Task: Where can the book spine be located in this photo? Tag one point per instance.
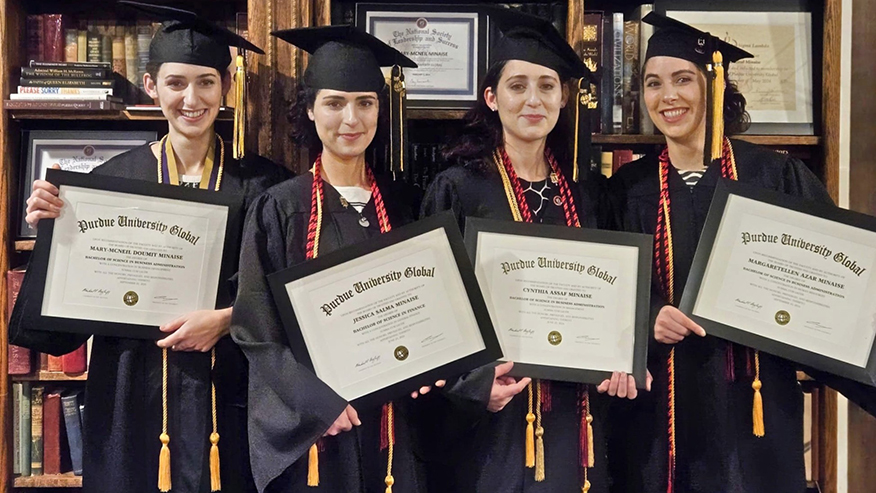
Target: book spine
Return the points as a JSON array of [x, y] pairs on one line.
[[62, 105], [53, 49], [646, 126], [36, 431], [34, 28], [620, 158], [20, 359], [82, 43], [606, 163], [55, 363], [118, 50], [591, 54], [82, 65], [617, 51], [131, 61], [82, 91], [606, 99], [29, 81], [63, 97], [66, 73], [24, 439], [631, 77], [74, 362], [71, 45], [106, 44], [52, 434], [70, 404], [144, 38], [16, 428], [93, 40]]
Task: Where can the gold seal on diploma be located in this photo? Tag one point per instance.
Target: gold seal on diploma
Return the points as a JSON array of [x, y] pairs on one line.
[[131, 298], [401, 353], [555, 338], [783, 317]]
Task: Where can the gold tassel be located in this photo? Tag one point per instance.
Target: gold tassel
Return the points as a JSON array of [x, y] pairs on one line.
[[586, 487], [539, 454], [390, 442], [389, 482], [578, 102], [215, 478], [164, 464], [164, 455], [313, 466], [717, 106], [757, 408], [539, 435], [239, 108], [530, 432], [591, 455]]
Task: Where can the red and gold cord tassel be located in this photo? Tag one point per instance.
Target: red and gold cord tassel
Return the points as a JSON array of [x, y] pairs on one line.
[[717, 137], [539, 435], [215, 477], [164, 484], [239, 108], [757, 408], [585, 439], [530, 431], [387, 439]]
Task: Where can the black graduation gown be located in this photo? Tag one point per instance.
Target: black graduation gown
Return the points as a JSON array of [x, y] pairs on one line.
[[289, 407], [484, 452], [716, 450], [123, 392]]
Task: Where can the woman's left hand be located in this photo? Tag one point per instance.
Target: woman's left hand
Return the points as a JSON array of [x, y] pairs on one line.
[[196, 331], [426, 388], [623, 385]]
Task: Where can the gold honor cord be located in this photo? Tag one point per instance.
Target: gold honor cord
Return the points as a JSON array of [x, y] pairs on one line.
[[239, 108], [167, 163]]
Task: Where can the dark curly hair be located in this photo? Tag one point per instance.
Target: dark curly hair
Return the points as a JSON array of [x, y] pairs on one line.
[[304, 130], [482, 132]]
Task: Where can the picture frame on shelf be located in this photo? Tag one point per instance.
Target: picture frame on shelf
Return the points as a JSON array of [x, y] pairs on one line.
[[448, 42], [778, 82], [72, 150]]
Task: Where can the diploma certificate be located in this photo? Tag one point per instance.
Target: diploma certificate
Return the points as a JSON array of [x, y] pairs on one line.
[[788, 277], [568, 304], [120, 262], [389, 315]]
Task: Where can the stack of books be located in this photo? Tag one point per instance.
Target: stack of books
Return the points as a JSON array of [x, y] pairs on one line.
[[67, 85]]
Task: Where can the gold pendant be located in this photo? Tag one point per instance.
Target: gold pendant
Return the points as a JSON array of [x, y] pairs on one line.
[[554, 178]]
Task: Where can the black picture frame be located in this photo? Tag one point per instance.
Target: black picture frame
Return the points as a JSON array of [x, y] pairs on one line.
[[644, 243], [723, 191], [420, 11], [38, 268], [114, 141], [490, 353]]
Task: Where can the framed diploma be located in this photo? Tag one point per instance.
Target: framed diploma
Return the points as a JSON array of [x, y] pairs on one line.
[[448, 42], [777, 82], [79, 151], [381, 318], [568, 303], [789, 277], [126, 256]]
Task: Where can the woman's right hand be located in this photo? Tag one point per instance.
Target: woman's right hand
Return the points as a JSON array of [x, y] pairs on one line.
[[345, 422], [43, 202], [505, 387], [672, 326]]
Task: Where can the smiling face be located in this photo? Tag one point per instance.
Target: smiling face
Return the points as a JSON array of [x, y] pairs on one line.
[[345, 121], [675, 92], [529, 98], [189, 96]]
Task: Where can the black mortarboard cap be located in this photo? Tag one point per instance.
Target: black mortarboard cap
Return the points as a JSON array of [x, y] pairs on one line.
[[186, 37], [679, 40], [535, 40], [344, 58]]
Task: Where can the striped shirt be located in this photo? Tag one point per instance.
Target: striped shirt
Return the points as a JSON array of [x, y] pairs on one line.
[[691, 176]]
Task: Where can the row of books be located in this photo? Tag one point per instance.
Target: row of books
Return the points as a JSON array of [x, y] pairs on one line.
[[94, 83], [47, 428], [611, 160], [23, 361], [613, 48], [122, 47]]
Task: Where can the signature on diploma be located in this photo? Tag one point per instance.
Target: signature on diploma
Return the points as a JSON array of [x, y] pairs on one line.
[[526, 332], [749, 303], [166, 298], [368, 362], [99, 291]]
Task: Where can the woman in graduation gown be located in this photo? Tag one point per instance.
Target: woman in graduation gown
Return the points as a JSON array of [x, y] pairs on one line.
[[516, 164], [303, 436], [188, 76], [711, 437]]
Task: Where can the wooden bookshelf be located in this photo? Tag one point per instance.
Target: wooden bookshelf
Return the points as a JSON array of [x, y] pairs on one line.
[[66, 480], [51, 376], [766, 140], [129, 114]]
